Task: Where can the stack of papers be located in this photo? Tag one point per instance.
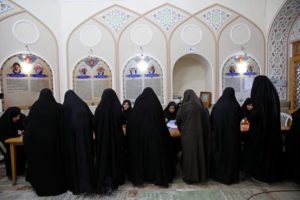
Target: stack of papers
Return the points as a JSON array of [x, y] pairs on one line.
[[172, 124]]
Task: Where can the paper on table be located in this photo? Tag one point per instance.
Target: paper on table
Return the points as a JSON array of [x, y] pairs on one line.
[[171, 124]]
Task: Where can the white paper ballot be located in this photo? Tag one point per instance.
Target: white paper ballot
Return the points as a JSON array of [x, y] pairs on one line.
[[171, 124]]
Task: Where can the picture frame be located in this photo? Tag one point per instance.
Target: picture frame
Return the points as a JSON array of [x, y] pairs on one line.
[[206, 98]]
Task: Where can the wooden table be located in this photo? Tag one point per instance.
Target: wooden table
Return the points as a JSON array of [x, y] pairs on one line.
[[13, 142], [283, 129]]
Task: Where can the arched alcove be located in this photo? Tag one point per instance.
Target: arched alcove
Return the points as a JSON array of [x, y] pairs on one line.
[[141, 72], [192, 71], [240, 80], [23, 76], [91, 76], [24, 33], [278, 40]]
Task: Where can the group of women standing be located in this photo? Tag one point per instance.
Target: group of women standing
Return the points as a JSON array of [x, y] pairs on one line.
[[212, 148], [69, 148], [63, 153]]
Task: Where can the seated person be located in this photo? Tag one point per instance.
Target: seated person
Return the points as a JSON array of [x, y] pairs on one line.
[[12, 124]]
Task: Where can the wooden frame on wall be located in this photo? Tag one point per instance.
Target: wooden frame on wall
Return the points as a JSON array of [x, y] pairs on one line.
[[206, 98], [294, 61], [296, 48]]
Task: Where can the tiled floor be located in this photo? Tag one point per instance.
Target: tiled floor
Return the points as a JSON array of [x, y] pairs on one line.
[[177, 191]]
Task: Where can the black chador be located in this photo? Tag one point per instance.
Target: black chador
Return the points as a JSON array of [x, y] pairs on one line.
[[43, 146], [225, 142], [109, 143], [267, 155], [78, 144], [150, 159], [192, 123]]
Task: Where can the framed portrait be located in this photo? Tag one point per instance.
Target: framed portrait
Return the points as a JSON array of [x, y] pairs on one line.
[[206, 98], [24, 75], [91, 76]]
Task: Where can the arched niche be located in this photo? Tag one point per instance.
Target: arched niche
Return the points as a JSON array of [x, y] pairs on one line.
[[91, 38], [23, 32], [278, 40], [141, 72], [91, 76], [240, 80], [192, 71], [23, 76], [240, 35]]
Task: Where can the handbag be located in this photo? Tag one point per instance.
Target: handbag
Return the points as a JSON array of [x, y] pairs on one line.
[[174, 132]]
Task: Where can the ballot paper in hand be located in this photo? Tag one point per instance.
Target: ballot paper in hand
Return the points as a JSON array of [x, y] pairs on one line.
[[172, 124]]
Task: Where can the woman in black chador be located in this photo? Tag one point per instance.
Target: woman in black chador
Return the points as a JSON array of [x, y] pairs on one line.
[[191, 123], [225, 144], [43, 146], [249, 114], [78, 144], [293, 149], [267, 154], [126, 112], [170, 111], [149, 140], [109, 143], [12, 124], [248, 108]]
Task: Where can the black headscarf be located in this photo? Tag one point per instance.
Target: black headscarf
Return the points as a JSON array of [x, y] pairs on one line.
[[267, 133], [225, 122], [167, 114], [251, 115], [149, 140], [42, 142], [109, 143], [8, 128], [78, 144], [126, 113], [244, 106]]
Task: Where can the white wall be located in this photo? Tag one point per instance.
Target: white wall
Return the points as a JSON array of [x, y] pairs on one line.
[[272, 8], [74, 11], [104, 50], [255, 47], [157, 48], [206, 48], [48, 11], [69, 13], [65, 17], [45, 47]]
